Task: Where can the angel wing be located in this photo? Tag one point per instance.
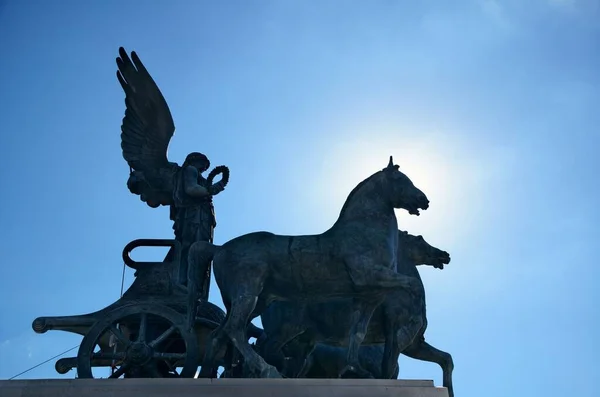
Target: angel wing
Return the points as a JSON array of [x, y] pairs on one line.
[[146, 131]]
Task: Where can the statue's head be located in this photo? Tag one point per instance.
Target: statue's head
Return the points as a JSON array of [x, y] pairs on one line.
[[420, 252], [401, 192], [198, 161]]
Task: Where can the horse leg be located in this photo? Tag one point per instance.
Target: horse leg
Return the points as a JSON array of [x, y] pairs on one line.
[[361, 317], [241, 310], [272, 346], [214, 344], [301, 358], [272, 354], [389, 352], [398, 339], [421, 350], [235, 363], [371, 277], [306, 367], [228, 361]]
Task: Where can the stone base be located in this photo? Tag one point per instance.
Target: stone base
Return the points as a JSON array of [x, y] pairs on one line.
[[220, 387]]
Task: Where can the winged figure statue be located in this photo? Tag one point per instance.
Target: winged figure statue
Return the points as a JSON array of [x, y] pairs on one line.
[[146, 131]]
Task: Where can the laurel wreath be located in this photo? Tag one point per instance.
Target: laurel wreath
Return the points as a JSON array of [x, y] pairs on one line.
[[221, 169]]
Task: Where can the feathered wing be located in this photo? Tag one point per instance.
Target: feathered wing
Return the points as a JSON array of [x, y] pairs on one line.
[[145, 133]]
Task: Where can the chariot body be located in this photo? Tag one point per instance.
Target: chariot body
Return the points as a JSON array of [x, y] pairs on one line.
[[149, 331]]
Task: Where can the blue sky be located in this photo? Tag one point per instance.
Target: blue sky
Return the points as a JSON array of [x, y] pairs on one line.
[[491, 107]]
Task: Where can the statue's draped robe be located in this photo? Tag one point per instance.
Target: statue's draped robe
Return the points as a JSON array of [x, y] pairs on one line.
[[193, 220]]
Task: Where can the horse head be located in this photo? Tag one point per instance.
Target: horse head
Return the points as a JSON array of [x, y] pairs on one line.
[[420, 252], [400, 190]]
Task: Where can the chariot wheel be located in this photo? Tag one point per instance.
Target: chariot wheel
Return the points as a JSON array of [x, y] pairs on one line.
[[146, 341]]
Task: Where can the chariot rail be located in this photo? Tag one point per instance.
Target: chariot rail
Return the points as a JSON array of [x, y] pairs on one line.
[[148, 242], [155, 329]]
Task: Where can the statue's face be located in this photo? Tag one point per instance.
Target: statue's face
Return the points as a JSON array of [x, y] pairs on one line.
[[422, 253], [199, 164], [198, 161], [402, 192]]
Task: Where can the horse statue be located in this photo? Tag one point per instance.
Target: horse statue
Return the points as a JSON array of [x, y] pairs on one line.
[[397, 322], [325, 361], [355, 258]]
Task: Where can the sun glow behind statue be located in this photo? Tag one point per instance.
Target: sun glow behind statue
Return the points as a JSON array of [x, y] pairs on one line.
[[430, 161]]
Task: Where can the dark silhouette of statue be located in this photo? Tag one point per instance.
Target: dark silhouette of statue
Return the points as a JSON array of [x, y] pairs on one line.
[[146, 132]]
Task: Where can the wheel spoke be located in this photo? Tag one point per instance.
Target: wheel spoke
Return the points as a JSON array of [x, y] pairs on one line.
[[143, 326], [169, 356], [119, 335], [108, 356], [119, 371], [163, 336]]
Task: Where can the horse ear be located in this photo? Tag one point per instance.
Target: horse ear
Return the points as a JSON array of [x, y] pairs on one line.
[[391, 163]]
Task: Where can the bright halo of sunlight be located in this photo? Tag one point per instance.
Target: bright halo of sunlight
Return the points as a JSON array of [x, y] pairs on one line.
[[356, 160], [432, 161]]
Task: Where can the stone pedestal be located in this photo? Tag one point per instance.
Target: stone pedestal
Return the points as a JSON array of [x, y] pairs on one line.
[[220, 387]]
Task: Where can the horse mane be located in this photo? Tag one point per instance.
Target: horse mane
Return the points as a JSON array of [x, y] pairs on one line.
[[351, 195]]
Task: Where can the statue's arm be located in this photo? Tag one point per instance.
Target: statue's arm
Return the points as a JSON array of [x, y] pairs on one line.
[[191, 186]]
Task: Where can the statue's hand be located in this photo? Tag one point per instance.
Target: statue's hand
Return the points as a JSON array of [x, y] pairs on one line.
[[217, 188]]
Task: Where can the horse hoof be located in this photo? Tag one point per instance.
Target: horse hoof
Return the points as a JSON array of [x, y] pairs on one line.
[[348, 372], [205, 373], [353, 372], [270, 372]]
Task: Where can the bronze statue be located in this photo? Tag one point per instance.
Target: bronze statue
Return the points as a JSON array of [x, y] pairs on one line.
[[355, 258], [146, 132], [163, 323]]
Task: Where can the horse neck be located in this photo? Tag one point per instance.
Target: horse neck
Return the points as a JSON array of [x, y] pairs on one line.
[[365, 203], [405, 265]]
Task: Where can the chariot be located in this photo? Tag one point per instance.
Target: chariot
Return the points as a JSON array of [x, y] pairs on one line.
[[149, 331]]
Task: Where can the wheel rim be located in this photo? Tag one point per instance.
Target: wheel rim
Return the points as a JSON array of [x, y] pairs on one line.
[[151, 341]]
